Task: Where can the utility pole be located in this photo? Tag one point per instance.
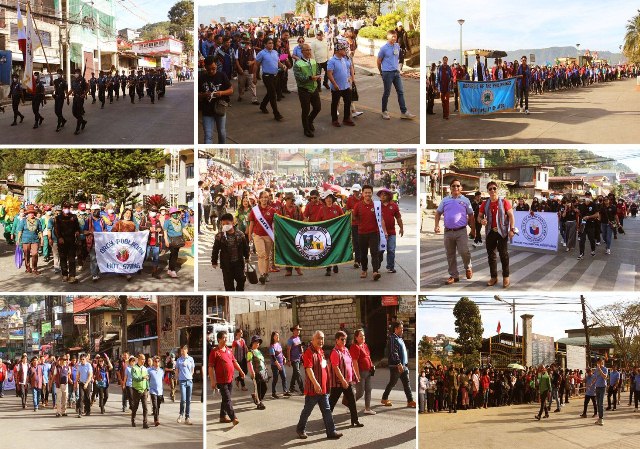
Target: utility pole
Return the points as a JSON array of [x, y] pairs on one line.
[[586, 330], [123, 323]]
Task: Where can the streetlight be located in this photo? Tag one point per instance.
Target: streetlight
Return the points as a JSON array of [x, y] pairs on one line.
[[513, 311], [460, 21], [578, 51]]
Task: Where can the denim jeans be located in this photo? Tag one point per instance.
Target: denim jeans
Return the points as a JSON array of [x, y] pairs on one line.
[[554, 395], [391, 252], [297, 376], [220, 122], [389, 78], [36, 397], [93, 262], [607, 234], [394, 375], [186, 387], [283, 375], [154, 253], [600, 401], [323, 403], [422, 400]]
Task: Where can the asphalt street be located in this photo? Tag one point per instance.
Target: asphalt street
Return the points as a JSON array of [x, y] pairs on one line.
[[604, 113], [42, 430], [275, 427], [538, 271], [247, 125], [510, 426], [347, 279], [13, 279], [168, 121]]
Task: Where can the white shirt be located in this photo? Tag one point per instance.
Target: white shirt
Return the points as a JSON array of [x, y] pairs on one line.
[[319, 51]]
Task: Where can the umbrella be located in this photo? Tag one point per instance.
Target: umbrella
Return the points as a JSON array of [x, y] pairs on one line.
[[19, 258], [516, 366]]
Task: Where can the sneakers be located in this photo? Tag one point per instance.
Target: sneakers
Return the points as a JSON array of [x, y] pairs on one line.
[[385, 115], [356, 114], [580, 256], [407, 115], [593, 254], [564, 244], [608, 251], [179, 420], [72, 280], [391, 270], [386, 403], [599, 422], [262, 279], [189, 423], [526, 111], [369, 412], [411, 404]]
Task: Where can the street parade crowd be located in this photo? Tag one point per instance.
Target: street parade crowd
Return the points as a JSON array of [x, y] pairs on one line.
[[242, 232], [452, 388], [106, 85], [442, 79], [598, 220], [71, 385], [345, 372], [247, 52], [64, 234]]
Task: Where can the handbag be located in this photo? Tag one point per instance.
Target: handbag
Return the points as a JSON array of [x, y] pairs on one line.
[[263, 375], [176, 242], [372, 370], [354, 92], [252, 275], [101, 384], [220, 107]]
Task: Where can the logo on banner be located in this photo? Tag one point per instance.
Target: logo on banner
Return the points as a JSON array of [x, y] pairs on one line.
[[534, 229], [122, 253], [313, 242], [487, 97]]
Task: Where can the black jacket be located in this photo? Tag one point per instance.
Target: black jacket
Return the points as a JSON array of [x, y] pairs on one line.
[[222, 248]]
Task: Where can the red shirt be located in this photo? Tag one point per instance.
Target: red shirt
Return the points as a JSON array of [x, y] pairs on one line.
[[311, 211], [366, 215], [351, 204], [493, 207], [343, 363], [327, 213], [293, 213], [485, 381], [362, 355], [390, 212], [313, 358], [222, 363], [268, 214], [3, 372]]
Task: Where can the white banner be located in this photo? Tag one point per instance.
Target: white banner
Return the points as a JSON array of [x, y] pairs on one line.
[[576, 357], [121, 252], [322, 9], [539, 230]]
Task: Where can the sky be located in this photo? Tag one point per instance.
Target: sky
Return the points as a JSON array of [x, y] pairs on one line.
[[149, 11], [549, 318], [508, 25], [629, 157]]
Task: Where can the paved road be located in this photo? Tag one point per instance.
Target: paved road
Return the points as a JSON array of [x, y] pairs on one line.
[[246, 124], [497, 428], [605, 113], [42, 430], [16, 280], [314, 279], [539, 271], [168, 121], [275, 427]]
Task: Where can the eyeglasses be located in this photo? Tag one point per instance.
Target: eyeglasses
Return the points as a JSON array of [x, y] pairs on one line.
[[491, 189], [457, 186], [342, 339]]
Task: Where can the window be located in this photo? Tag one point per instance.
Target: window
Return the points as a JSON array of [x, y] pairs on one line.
[[184, 306], [189, 171], [115, 319]]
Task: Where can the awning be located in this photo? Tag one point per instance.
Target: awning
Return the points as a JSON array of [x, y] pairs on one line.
[[142, 339]]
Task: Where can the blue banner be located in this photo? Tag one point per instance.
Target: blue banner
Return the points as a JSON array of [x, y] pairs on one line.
[[487, 97]]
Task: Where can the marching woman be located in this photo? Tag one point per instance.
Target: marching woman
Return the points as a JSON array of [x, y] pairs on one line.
[[277, 365], [185, 367], [125, 224], [156, 374], [261, 233], [329, 210], [257, 371], [174, 233], [343, 377], [363, 369], [101, 380]]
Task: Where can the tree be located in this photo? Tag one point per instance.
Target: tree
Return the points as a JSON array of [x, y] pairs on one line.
[[305, 7], [182, 14], [623, 321], [155, 30], [425, 348], [111, 173], [469, 328], [631, 47]]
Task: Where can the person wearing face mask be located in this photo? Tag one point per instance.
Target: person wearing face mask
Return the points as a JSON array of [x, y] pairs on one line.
[[81, 252], [47, 231], [60, 89], [123, 84], [231, 247], [151, 223], [244, 60], [126, 224], [16, 93], [95, 223], [38, 100], [132, 81], [110, 217], [79, 87], [173, 231], [30, 237], [67, 229], [588, 222], [93, 83]]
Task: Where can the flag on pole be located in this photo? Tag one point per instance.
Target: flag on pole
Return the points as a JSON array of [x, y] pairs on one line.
[[321, 9], [27, 75], [22, 34], [312, 245], [499, 327], [516, 330]]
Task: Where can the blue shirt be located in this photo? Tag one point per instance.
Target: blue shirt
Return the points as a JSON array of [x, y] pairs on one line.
[[269, 61], [185, 367], [455, 211], [155, 380], [84, 371], [127, 375], [390, 55], [171, 230], [614, 377], [45, 372], [397, 351], [636, 381], [600, 381], [27, 235], [341, 72], [297, 51], [590, 385]]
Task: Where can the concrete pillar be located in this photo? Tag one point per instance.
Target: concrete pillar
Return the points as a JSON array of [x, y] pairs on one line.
[[527, 339]]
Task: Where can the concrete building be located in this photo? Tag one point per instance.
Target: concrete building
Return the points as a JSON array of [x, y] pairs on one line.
[[34, 174], [165, 52], [180, 322], [523, 180]]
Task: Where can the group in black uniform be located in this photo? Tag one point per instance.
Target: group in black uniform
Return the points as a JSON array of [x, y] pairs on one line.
[[106, 86]]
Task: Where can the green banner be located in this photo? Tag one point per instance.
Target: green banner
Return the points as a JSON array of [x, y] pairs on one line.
[[312, 245], [46, 328]]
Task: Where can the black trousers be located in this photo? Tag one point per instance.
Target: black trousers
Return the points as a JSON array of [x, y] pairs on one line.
[[309, 101], [336, 392], [495, 241], [524, 96], [110, 94], [173, 258], [67, 253], [132, 93], [455, 97], [394, 375], [270, 82], [103, 397], [207, 213], [369, 243], [478, 238], [137, 399], [58, 105], [140, 90], [543, 404], [93, 93], [123, 86], [588, 231], [612, 391], [101, 96], [261, 389], [151, 91], [345, 94], [226, 407], [586, 404], [84, 399], [155, 406], [35, 107], [325, 80], [233, 276], [126, 396], [356, 244], [15, 102], [78, 109]]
